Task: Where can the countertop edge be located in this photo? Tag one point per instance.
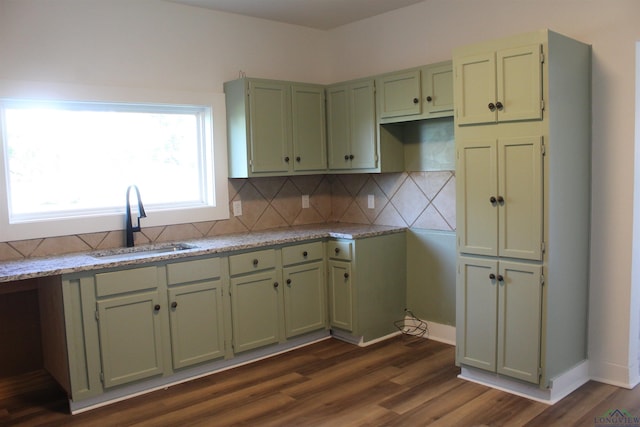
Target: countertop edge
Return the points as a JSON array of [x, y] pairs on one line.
[[33, 268]]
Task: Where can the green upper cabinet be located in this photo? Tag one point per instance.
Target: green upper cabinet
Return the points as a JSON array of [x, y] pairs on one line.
[[415, 94], [499, 86], [274, 128], [500, 204], [351, 123], [399, 94]]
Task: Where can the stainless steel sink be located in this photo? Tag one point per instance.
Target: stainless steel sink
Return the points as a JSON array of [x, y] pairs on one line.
[[142, 251]]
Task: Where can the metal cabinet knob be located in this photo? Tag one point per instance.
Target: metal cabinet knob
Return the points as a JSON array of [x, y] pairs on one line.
[[416, 100], [288, 281], [337, 250], [492, 106], [492, 276], [346, 275], [255, 262], [174, 304], [156, 307], [305, 254], [499, 105], [429, 99], [276, 284], [492, 200]]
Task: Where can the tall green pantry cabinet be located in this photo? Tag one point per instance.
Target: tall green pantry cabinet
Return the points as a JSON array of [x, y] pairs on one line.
[[523, 120]]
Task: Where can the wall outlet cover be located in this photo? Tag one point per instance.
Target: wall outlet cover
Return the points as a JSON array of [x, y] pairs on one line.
[[237, 208], [371, 201], [305, 201]]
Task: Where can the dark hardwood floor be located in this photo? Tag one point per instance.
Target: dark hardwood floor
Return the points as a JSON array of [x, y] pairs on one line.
[[405, 381]]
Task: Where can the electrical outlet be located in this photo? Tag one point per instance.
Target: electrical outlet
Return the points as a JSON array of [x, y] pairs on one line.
[[237, 208], [305, 201], [371, 201]]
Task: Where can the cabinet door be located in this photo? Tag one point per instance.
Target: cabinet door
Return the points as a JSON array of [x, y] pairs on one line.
[[196, 317], [338, 128], [304, 300], [437, 89], [476, 319], [130, 337], [269, 104], [477, 180], [519, 320], [520, 182], [308, 117], [255, 308], [362, 112], [400, 94], [475, 89], [519, 83], [340, 295]]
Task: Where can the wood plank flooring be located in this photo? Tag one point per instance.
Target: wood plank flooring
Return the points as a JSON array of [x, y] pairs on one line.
[[405, 381]]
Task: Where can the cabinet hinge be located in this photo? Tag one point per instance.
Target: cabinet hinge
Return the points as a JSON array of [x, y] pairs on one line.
[[541, 57], [542, 279], [250, 162], [542, 104], [97, 315], [102, 377], [543, 246], [543, 149]]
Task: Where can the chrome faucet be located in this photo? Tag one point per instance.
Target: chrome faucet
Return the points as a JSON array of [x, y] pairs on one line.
[[141, 214]]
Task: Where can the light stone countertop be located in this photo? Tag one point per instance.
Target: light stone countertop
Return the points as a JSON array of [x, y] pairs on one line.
[[78, 262]]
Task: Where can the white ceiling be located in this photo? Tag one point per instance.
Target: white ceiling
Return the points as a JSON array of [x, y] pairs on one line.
[[321, 14]]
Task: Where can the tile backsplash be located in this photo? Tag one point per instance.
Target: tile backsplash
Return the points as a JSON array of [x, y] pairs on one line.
[[412, 199]]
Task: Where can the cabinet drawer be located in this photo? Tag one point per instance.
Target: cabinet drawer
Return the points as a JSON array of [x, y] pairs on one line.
[[192, 271], [252, 261], [301, 253], [118, 282], [340, 250]]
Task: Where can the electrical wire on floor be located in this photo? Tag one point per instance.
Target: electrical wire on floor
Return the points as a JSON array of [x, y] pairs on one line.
[[412, 326]]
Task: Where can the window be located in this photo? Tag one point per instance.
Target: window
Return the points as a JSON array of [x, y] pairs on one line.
[[67, 164]]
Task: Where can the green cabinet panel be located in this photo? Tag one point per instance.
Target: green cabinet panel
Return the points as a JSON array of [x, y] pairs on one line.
[[499, 86], [499, 202], [309, 129], [130, 337], [255, 310], [477, 312], [197, 322], [519, 320], [351, 127], [499, 318], [437, 90], [304, 298], [399, 94], [340, 295], [269, 106]]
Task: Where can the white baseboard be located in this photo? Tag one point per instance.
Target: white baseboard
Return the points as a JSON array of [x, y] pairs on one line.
[[560, 387], [614, 374], [435, 331]]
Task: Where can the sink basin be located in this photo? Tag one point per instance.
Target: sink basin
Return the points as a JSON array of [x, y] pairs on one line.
[[142, 251]]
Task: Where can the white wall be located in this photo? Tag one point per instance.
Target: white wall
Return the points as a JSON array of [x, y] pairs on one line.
[[428, 31], [151, 43]]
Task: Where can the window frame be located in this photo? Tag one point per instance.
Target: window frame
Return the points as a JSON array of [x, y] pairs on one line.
[[112, 221]]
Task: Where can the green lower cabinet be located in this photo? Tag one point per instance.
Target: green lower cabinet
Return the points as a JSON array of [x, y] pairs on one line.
[[304, 298], [367, 285], [130, 337], [499, 316], [255, 310]]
